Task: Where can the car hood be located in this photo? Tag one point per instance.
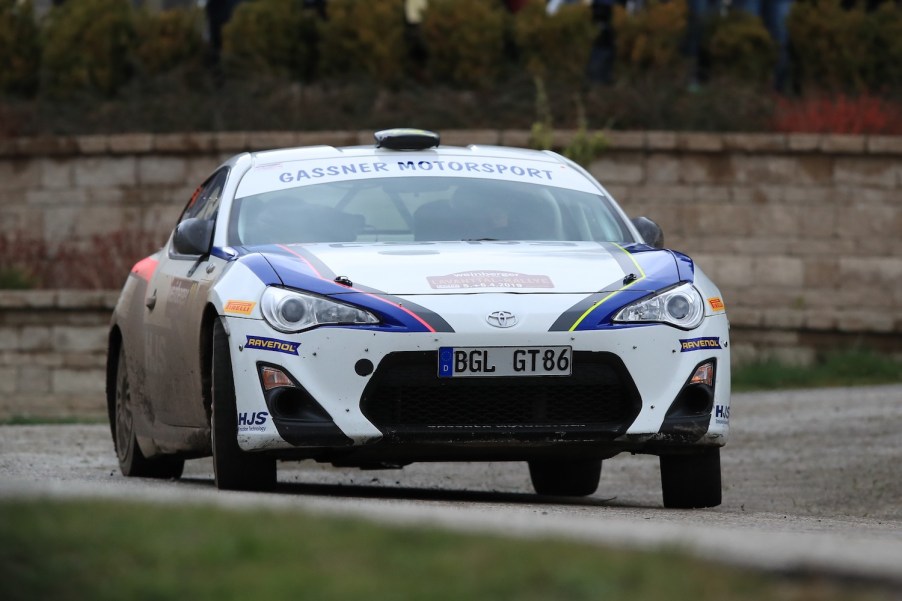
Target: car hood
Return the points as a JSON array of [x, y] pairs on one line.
[[443, 268]]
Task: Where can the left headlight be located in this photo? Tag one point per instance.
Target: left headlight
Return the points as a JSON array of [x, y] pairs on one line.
[[289, 311], [681, 307]]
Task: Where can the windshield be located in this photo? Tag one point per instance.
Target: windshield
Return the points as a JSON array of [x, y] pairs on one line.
[[406, 209]]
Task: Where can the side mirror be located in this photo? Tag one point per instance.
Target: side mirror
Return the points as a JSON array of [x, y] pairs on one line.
[[193, 236], [651, 232]]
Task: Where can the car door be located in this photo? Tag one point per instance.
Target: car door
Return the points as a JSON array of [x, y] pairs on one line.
[[175, 301]]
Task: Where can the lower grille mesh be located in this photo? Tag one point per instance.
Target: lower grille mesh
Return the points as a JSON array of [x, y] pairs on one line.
[[406, 393]]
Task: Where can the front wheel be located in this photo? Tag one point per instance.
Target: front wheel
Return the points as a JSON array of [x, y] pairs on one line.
[[132, 461], [565, 478], [233, 469], [692, 480]]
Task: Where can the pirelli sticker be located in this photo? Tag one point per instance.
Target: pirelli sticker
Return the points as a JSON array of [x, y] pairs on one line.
[[272, 344], [716, 304], [239, 307], [700, 344]]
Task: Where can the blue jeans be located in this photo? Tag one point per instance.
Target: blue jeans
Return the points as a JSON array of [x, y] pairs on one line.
[[772, 12]]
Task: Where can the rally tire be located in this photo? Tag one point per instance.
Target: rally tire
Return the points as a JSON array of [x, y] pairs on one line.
[[690, 481], [233, 469], [132, 461], [565, 478]]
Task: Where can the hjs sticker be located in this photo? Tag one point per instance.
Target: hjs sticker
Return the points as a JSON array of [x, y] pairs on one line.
[[248, 422], [722, 414]]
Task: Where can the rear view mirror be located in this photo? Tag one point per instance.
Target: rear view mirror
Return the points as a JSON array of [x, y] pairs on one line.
[[193, 236], [651, 232]]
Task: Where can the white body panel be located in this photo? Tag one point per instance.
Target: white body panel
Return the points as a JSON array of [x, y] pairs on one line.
[[453, 268], [326, 357]]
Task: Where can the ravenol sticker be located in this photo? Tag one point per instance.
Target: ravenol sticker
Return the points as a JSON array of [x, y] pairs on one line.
[[239, 307], [699, 344], [272, 344], [716, 303]]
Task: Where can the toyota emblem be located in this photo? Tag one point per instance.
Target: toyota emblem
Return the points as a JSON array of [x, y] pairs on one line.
[[502, 319]]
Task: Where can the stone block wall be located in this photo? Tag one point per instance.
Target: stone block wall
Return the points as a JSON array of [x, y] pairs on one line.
[[53, 352], [803, 233]]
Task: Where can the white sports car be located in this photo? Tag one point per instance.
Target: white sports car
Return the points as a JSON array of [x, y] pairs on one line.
[[378, 306]]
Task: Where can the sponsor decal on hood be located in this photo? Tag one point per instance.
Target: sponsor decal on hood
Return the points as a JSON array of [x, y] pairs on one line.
[[473, 266], [505, 280]]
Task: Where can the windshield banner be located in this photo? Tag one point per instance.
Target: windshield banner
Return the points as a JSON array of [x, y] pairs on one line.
[[293, 174]]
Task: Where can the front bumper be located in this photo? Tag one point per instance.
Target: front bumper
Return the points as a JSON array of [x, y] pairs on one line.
[[376, 395]]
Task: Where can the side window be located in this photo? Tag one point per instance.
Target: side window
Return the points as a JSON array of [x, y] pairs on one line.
[[205, 201]]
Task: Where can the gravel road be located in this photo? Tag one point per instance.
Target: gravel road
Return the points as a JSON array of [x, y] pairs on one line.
[[812, 482]]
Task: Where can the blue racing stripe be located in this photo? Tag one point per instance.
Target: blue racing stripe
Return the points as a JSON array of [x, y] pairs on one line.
[[659, 270]]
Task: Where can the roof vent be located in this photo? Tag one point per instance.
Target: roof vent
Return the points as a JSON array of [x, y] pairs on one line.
[[406, 139]]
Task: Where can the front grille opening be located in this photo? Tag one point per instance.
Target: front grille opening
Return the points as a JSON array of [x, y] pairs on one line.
[[406, 393]]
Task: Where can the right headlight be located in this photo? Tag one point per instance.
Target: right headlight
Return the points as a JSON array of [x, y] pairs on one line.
[[681, 307], [290, 311]]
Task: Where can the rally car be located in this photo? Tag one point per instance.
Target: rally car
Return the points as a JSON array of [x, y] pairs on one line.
[[404, 302]]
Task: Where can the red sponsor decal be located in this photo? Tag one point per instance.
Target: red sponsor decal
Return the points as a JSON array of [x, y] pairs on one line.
[[488, 279], [145, 267], [716, 303]]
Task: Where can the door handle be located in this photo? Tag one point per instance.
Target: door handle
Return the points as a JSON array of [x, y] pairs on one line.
[[151, 301]]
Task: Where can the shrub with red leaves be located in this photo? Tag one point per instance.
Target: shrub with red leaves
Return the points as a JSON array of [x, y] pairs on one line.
[[100, 262], [864, 114], [23, 261]]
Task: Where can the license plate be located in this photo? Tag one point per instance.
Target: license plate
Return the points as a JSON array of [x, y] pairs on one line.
[[495, 361]]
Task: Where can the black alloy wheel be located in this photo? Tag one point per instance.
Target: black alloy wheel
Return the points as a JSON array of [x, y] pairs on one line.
[[565, 477], [691, 481], [132, 461]]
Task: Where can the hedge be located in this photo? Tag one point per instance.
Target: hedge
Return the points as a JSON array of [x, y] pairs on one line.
[[275, 37], [19, 47], [100, 46], [88, 45]]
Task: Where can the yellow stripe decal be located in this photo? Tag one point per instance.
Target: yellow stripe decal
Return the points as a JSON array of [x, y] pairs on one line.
[[595, 306]]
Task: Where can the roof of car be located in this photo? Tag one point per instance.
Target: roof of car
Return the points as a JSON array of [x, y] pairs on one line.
[[269, 157]]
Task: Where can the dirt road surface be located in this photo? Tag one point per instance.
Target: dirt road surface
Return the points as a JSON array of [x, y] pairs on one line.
[[812, 482]]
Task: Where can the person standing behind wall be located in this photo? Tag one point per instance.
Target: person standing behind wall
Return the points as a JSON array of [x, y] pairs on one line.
[[552, 6], [601, 60], [413, 17], [773, 13], [218, 14]]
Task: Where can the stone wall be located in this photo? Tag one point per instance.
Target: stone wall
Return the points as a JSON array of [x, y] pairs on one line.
[[53, 352], [803, 233]]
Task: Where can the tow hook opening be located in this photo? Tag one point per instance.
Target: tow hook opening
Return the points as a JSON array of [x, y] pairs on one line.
[[286, 398], [696, 399]]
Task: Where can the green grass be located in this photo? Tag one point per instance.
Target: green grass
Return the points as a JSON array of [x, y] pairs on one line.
[[115, 550], [34, 420], [845, 368]]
